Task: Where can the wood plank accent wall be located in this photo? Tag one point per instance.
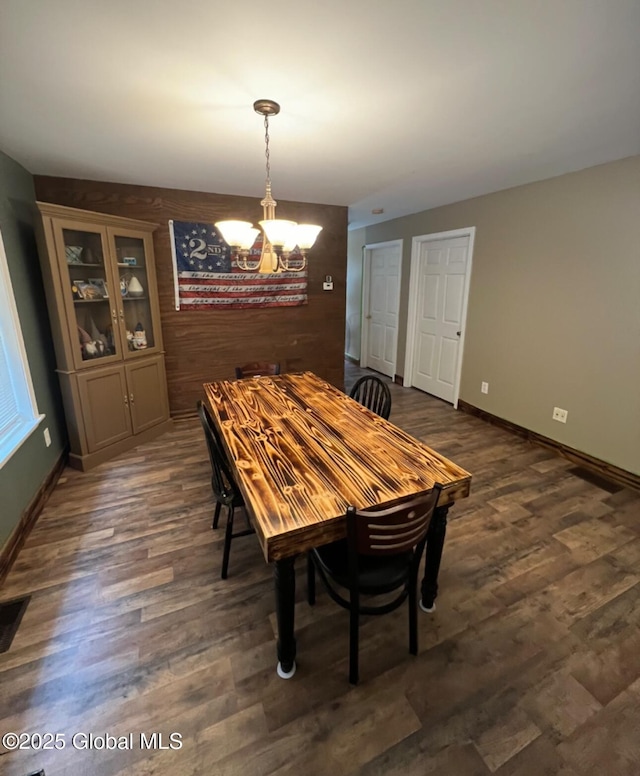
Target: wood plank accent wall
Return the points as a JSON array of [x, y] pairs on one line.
[[206, 346]]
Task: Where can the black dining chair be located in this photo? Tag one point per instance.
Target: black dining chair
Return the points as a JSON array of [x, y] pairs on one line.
[[380, 555], [223, 486], [373, 393], [257, 368]]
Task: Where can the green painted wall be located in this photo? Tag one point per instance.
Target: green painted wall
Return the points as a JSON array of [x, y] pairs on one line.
[[554, 305], [22, 475]]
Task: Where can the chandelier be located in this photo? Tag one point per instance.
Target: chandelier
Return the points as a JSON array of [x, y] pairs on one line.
[[284, 243]]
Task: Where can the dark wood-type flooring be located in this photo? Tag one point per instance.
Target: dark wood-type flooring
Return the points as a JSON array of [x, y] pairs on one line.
[[529, 666]]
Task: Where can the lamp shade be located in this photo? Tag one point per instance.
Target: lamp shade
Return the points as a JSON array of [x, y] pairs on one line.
[[278, 231], [306, 235], [238, 234]]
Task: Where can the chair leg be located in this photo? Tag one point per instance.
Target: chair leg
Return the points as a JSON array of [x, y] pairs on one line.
[[216, 515], [228, 535], [413, 618], [354, 623], [311, 581]]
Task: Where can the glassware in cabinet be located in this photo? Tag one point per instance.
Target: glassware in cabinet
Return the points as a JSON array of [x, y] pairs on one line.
[[88, 289], [134, 281]]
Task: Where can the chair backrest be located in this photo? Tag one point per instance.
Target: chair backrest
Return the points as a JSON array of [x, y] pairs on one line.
[[255, 368], [222, 480], [393, 531], [373, 393]]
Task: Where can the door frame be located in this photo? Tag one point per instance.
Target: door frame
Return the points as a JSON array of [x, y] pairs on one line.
[[366, 285], [470, 232]]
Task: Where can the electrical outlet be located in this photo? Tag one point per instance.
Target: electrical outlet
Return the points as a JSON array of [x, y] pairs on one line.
[[560, 415], [484, 388], [47, 437]]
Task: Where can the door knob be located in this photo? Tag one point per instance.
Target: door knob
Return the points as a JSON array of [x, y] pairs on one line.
[[458, 333]]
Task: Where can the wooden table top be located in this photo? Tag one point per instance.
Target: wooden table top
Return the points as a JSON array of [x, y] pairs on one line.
[[302, 451]]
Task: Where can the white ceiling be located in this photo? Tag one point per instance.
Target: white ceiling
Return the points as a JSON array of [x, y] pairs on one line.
[[399, 105]]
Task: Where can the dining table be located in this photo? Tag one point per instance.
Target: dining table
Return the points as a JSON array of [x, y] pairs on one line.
[[301, 452]]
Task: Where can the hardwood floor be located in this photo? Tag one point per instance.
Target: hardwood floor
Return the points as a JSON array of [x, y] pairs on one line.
[[529, 666]]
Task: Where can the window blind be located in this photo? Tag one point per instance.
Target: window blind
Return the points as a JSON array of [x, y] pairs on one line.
[[9, 412], [18, 410]]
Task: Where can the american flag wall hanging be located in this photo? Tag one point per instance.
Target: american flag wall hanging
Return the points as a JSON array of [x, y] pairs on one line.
[[206, 276]]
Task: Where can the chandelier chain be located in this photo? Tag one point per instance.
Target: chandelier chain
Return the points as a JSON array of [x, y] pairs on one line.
[[280, 238], [266, 153]]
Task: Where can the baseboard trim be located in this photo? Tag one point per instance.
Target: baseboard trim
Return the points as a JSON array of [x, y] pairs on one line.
[[398, 380], [29, 517], [604, 469], [352, 359], [184, 415]]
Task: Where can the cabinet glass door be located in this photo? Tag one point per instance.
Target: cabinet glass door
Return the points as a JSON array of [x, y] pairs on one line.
[[88, 292], [135, 276]]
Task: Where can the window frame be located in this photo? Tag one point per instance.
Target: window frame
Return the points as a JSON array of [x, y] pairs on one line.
[[27, 418]]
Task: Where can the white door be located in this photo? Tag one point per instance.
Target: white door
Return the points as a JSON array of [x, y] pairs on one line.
[[381, 303], [440, 284]]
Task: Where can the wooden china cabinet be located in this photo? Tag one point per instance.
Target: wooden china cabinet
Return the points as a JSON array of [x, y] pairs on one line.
[[100, 283]]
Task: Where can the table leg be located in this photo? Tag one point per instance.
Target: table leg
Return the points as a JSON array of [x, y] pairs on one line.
[[433, 556], [285, 585]]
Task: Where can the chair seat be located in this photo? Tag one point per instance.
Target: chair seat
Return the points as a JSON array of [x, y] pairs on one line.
[[231, 499], [376, 573]]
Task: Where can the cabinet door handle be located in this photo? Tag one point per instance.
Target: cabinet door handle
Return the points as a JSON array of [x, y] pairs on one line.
[[126, 399], [131, 398], [114, 315], [121, 315]]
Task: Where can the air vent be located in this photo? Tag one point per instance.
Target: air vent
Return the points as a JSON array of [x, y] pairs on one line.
[[10, 615]]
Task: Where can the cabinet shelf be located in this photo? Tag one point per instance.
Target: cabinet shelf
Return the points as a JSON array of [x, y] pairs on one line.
[[98, 356]]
